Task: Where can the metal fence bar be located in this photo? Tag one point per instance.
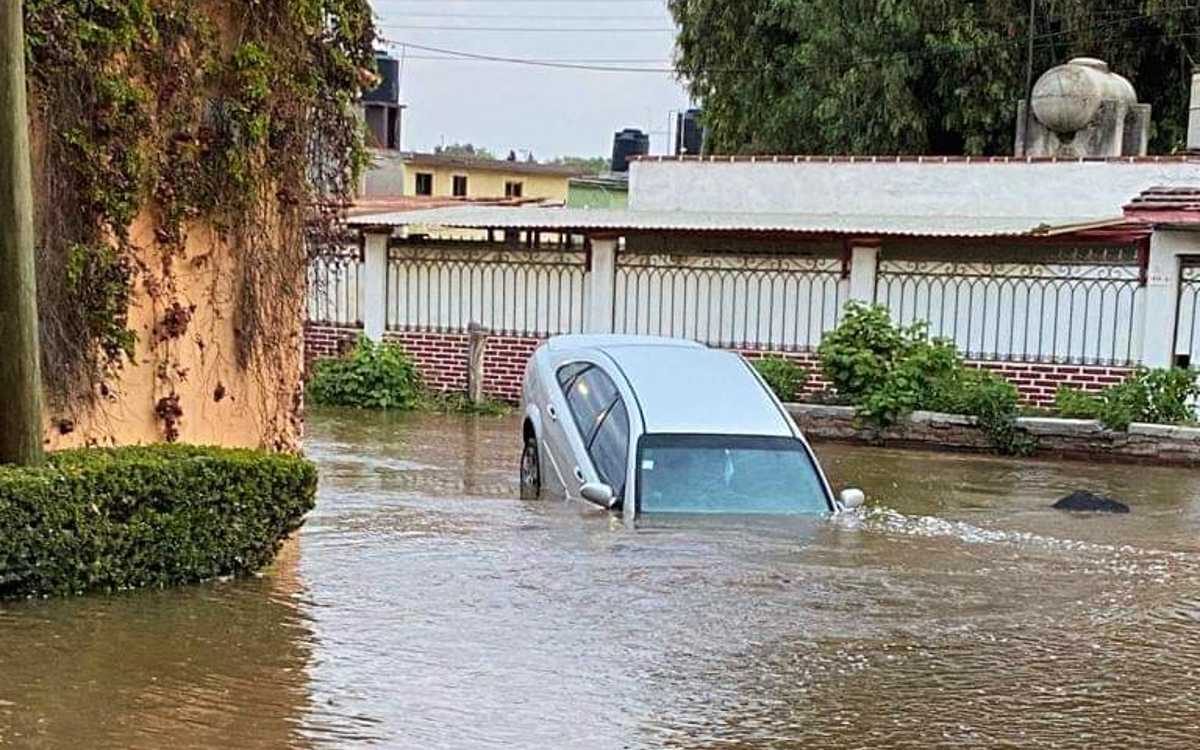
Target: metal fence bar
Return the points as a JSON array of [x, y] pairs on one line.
[[509, 291], [1187, 321], [775, 302], [334, 289], [1077, 310]]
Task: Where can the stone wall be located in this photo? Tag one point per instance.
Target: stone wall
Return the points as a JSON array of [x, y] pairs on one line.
[[1066, 438]]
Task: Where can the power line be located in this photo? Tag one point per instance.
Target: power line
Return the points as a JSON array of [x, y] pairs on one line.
[[537, 29], [594, 60], [523, 16], [461, 55], [457, 54]]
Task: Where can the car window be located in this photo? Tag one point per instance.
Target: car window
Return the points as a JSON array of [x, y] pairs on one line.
[[727, 474], [610, 447], [590, 395], [568, 373]]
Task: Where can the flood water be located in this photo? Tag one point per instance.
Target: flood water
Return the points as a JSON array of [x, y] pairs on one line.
[[425, 606]]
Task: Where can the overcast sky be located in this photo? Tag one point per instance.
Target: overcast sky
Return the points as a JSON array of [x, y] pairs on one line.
[[553, 111]]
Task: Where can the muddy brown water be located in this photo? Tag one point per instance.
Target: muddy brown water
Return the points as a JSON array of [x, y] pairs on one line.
[[425, 606]]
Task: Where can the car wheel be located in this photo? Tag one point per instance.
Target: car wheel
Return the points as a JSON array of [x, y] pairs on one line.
[[531, 471]]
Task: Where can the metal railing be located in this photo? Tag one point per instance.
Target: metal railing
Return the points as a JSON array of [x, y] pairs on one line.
[[445, 288], [1081, 307], [1187, 321], [334, 292], [773, 302]]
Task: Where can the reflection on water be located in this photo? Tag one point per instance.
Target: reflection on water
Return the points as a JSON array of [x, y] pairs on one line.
[[425, 606]]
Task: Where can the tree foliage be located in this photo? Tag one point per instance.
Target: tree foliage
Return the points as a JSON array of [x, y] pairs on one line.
[[914, 76], [468, 150]]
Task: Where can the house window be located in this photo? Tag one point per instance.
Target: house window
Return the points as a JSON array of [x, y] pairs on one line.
[[424, 183], [460, 186], [513, 189]]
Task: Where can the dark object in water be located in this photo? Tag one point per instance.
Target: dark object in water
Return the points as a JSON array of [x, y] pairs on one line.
[[1087, 501]]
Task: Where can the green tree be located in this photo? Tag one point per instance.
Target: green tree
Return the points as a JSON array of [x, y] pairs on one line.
[[584, 164], [913, 76], [468, 150]]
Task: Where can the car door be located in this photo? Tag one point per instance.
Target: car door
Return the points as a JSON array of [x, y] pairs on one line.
[[558, 426]]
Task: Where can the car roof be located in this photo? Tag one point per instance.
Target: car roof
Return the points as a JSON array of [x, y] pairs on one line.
[[605, 340], [690, 389]]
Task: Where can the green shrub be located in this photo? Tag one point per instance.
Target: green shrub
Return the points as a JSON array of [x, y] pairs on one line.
[[1158, 396], [123, 518], [372, 376], [783, 376], [889, 371], [858, 355]]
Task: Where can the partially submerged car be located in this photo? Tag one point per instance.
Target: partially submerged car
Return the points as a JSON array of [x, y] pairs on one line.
[[655, 425]]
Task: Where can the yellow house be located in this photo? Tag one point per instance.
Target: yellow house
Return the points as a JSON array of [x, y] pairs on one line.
[[439, 175]]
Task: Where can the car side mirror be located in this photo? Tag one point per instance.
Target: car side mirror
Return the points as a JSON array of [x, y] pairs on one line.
[[852, 498], [599, 493]]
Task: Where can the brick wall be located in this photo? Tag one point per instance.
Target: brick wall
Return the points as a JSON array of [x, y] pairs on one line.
[[1036, 381], [322, 341], [442, 360]]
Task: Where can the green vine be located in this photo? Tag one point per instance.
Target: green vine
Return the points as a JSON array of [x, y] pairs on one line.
[[232, 115]]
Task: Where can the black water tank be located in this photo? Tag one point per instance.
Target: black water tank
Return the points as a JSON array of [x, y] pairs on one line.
[[689, 134], [388, 90], [627, 144]]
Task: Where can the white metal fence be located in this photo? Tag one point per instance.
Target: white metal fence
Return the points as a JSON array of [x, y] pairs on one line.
[[335, 288], [520, 292], [780, 302], [1084, 306]]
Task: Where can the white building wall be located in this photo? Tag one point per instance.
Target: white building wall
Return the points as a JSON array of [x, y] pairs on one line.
[[1049, 190]]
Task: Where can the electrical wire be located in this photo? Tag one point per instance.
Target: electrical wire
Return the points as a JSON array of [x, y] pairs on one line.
[[535, 29], [451, 54]]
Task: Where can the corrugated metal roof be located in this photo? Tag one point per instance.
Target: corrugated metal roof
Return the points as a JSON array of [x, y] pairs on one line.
[[582, 220]]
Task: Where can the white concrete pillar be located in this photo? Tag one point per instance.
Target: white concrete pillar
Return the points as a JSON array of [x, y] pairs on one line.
[[864, 264], [1162, 294], [602, 287], [375, 282]]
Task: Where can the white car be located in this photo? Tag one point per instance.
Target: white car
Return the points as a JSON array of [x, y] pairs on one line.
[[655, 425]]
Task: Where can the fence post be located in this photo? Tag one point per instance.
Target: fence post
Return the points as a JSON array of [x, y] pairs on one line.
[[864, 264], [603, 286], [1162, 296], [477, 345], [375, 273]]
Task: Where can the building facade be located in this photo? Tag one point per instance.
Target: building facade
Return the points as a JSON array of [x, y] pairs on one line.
[[438, 175]]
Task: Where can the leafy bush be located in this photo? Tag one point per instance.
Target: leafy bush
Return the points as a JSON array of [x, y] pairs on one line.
[[858, 355], [890, 371], [785, 377], [113, 519], [372, 376], [1160, 396]]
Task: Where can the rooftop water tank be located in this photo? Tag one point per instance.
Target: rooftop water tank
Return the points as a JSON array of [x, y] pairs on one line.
[[627, 144], [1067, 98], [388, 90]]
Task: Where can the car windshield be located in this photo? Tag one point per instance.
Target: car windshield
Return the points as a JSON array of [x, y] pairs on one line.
[[727, 474]]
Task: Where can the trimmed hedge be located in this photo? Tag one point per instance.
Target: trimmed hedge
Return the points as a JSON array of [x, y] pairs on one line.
[[162, 515]]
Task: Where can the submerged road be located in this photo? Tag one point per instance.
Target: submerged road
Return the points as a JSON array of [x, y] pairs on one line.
[[425, 606]]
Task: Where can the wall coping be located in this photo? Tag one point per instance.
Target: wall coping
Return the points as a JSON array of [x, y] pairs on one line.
[[1087, 438]]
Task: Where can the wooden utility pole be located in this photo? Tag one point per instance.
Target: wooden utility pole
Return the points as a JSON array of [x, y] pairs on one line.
[[20, 368]]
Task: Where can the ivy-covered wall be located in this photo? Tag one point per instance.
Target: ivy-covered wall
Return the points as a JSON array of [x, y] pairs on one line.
[[188, 157]]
